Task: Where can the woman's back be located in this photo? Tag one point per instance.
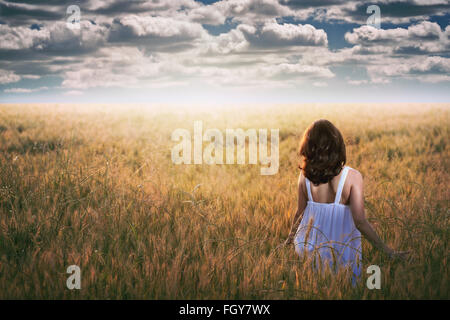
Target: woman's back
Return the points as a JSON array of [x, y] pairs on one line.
[[330, 215], [326, 192], [327, 227]]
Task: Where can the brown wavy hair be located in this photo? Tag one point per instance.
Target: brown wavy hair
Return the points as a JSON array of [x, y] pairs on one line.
[[322, 152]]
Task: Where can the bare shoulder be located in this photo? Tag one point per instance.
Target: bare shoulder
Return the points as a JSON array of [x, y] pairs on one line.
[[301, 178], [355, 178], [301, 183]]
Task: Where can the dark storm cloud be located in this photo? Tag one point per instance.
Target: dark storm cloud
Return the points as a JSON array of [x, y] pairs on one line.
[[29, 12], [416, 50], [399, 10], [155, 33], [357, 10], [304, 4], [31, 67], [22, 55], [13, 14], [134, 6], [47, 2], [410, 50]]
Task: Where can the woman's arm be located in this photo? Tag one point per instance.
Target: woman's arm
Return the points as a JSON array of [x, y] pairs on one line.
[[359, 217], [301, 205]]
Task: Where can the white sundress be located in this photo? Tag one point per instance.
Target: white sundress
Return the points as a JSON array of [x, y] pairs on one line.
[[331, 232]]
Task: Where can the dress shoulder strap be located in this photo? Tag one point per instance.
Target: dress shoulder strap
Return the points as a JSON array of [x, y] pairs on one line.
[[341, 184], [308, 188]]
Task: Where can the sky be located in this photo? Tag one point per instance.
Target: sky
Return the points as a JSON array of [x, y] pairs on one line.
[[224, 52]]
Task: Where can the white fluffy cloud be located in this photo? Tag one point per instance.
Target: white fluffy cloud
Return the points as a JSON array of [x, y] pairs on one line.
[[56, 36], [18, 38], [7, 76], [289, 70], [423, 32], [268, 36], [116, 66], [251, 11], [429, 69], [417, 52], [274, 34], [207, 15], [161, 27], [231, 42]]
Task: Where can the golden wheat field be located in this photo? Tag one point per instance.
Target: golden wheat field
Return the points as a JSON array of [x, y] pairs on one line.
[[95, 186]]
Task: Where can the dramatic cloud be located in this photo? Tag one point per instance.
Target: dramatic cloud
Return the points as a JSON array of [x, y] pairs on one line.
[[156, 30], [271, 44], [418, 52], [430, 69], [422, 32], [392, 11], [274, 34], [211, 15], [422, 38], [55, 38], [254, 10], [29, 12], [397, 11]]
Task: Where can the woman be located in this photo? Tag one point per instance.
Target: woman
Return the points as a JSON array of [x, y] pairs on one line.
[[330, 217]]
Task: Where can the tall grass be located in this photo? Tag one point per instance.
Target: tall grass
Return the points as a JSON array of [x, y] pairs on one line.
[[95, 186]]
